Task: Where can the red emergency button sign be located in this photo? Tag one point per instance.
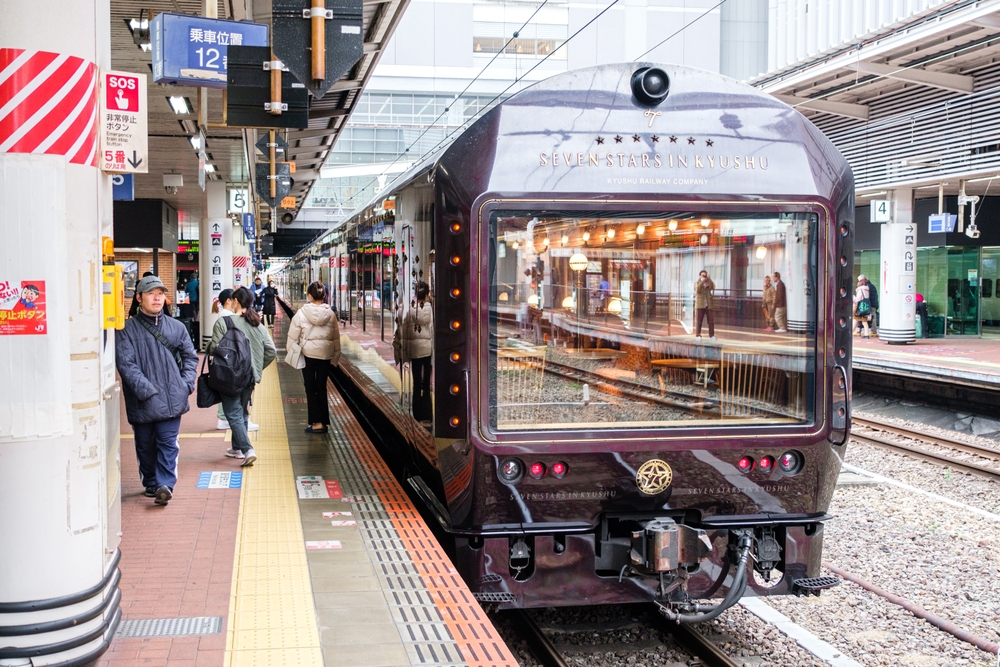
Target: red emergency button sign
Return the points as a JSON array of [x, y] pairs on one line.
[[122, 93]]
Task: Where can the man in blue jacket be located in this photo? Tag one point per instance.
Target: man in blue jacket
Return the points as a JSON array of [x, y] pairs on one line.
[[157, 364]]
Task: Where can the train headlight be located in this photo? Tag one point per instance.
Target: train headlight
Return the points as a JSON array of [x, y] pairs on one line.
[[511, 470], [790, 463], [559, 469], [650, 85]]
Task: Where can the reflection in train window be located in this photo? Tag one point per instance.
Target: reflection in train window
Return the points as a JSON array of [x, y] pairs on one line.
[[647, 321]]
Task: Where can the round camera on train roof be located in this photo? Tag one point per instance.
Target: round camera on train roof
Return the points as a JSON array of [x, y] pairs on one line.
[[650, 85]]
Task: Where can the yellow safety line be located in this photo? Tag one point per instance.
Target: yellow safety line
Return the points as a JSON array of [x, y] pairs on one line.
[[272, 617]]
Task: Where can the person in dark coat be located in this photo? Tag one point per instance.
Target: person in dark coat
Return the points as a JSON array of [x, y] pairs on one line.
[[268, 312], [780, 304], [157, 364]]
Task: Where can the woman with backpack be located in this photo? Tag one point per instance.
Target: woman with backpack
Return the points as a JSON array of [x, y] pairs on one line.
[[230, 351], [862, 306], [314, 329]]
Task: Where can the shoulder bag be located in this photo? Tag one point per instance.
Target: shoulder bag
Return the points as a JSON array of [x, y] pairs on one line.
[[162, 340], [294, 356], [206, 396]]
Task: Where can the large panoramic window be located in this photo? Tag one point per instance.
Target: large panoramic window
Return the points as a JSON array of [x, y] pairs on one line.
[[649, 321]]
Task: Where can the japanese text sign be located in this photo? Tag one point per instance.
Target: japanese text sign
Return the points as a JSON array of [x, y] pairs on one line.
[[124, 138], [22, 308], [194, 51]]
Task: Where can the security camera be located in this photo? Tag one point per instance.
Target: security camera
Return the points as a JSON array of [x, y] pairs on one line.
[[171, 182], [972, 232]]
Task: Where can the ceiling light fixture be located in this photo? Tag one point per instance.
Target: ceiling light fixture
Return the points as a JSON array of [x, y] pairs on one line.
[[180, 104]]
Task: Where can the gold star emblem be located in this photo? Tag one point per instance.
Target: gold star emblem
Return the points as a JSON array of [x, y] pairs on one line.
[[653, 477]]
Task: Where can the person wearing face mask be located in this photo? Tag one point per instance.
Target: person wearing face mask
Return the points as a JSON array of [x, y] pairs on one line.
[[157, 364]]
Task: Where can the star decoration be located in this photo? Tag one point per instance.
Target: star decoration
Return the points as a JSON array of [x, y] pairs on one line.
[[655, 138], [673, 140], [709, 142], [635, 137], [600, 140], [618, 139], [691, 141]]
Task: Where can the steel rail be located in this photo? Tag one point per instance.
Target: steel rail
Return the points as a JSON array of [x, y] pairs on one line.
[[941, 441], [699, 645], [931, 457], [543, 649]]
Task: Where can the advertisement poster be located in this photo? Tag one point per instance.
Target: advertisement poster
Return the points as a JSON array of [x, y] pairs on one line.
[[22, 308]]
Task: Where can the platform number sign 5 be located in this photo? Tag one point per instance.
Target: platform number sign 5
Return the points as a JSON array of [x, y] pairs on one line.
[[122, 93], [880, 210]]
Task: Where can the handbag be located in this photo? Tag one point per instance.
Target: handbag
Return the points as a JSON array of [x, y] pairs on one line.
[[294, 356], [206, 396]]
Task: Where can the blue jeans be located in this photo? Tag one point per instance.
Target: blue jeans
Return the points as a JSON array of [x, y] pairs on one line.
[[156, 449], [238, 415]]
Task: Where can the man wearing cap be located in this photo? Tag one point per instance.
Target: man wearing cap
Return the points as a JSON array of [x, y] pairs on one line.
[[157, 364]]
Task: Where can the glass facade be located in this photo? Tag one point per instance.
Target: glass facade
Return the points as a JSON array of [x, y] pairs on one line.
[[648, 321]]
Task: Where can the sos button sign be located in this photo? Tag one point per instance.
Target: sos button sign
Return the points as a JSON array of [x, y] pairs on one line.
[[123, 124]]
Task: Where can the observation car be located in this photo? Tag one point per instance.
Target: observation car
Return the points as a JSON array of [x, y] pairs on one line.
[[602, 429]]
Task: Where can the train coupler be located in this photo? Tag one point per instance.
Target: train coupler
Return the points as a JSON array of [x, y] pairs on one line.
[[664, 545], [813, 585]]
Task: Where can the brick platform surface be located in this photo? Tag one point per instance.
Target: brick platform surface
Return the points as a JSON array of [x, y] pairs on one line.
[[177, 561]]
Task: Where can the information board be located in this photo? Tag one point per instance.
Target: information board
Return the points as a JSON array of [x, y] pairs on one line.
[[124, 137], [190, 50]]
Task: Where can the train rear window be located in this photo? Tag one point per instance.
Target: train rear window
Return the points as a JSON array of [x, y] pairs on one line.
[[651, 321]]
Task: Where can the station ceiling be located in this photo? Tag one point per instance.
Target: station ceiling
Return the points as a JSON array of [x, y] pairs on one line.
[[170, 148], [942, 50]]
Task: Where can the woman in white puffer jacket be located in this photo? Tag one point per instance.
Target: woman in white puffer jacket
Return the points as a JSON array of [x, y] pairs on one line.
[[317, 331], [417, 347]]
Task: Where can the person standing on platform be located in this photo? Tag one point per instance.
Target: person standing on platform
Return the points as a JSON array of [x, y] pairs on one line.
[[417, 342], [769, 296], [315, 328], [873, 300], [862, 306], [157, 364], [223, 307], [262, 353], [268, 294], [780, 305], [703, 304], [921, 308], [258, 294], [192, 291]]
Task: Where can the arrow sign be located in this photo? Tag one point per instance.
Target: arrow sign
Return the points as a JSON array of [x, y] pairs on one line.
[[292, 21], [215, 227], [280, 149], [135, 161]]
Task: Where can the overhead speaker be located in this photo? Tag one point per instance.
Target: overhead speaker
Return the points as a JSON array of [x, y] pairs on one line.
[[650, 85]]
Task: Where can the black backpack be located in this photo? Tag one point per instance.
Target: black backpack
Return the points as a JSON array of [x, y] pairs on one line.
[[873, 296], [231, 369]]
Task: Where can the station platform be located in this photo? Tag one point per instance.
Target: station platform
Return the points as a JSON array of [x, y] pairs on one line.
[[312, 556], [971, 361]]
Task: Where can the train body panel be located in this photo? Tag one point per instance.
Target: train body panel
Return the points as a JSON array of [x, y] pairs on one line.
[[586, 438]]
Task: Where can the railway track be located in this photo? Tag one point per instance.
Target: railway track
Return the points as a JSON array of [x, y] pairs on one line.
[[986, 463], [549, 655]]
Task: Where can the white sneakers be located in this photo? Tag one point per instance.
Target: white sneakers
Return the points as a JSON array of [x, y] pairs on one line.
[[249, 457], [223, 425], [781, 331], [235, 454]]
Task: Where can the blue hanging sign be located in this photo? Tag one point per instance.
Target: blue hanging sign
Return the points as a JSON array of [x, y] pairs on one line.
[[190, 50], [941, 222], [122, 187], [249, 228]]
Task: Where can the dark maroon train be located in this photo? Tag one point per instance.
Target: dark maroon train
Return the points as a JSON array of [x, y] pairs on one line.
[[630, 379]]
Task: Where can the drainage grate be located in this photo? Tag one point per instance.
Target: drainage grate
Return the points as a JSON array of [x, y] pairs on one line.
[[494, 597], [170, 627]]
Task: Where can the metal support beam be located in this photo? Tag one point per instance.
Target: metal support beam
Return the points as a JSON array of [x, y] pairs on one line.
[[958, 83], [845, 109], [327, 113], [989, 21]]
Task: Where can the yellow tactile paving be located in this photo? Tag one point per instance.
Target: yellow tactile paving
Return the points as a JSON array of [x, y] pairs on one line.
[[272, 618]]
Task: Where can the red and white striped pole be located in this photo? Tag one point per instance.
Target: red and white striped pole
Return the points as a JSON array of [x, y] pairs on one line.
[[59, 471]]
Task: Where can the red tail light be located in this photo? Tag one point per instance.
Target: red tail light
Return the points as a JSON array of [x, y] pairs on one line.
[[537, 470], [766, 463], [559, 469], [745, 464]]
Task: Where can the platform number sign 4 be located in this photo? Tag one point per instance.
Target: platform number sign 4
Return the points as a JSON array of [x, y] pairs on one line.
[[124, 141], [880, 210]]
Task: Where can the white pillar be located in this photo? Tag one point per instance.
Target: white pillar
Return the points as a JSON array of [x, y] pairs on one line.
[[798, 277], [897, 280], [59, 405], [215, 256]]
